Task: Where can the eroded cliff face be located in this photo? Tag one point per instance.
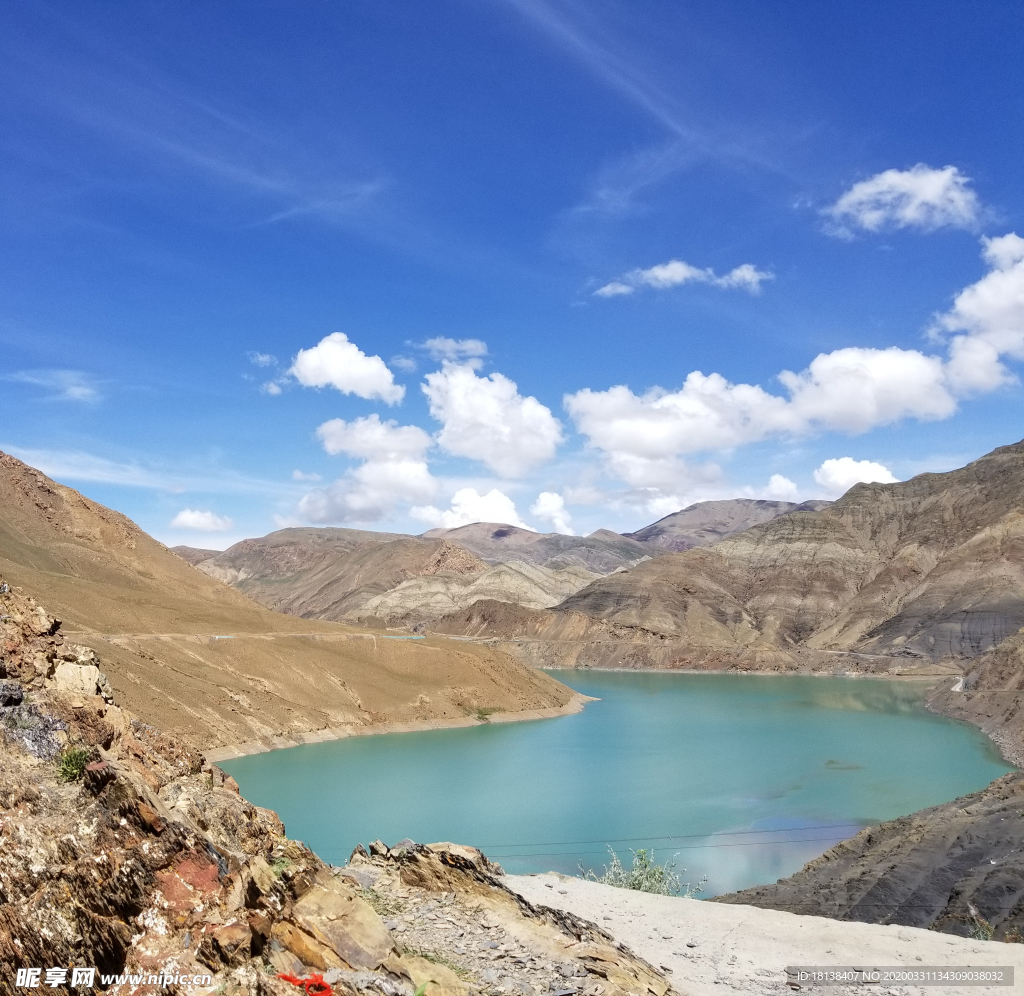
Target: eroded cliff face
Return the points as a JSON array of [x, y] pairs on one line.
[[122, 851]]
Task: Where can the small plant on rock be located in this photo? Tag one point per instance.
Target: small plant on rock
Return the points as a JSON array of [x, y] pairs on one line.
[[645, 875], [71, 765]]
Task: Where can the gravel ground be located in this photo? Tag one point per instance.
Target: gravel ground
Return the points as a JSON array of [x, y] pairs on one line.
[[709, 948]]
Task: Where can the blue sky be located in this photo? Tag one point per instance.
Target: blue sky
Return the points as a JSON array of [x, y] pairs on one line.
[[397, 265]]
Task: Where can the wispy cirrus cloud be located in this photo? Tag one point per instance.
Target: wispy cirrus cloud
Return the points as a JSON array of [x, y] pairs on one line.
[[78, 466], [60, 385]]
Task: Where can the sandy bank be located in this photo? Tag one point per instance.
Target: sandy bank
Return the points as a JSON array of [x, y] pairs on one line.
[[710, 949], [218, 754]]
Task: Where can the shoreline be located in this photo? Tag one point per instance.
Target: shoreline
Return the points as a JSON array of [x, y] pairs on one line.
[[216, 755]]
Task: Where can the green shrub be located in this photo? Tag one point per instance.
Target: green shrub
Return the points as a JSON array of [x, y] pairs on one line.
[[71, 765], [645, 875]]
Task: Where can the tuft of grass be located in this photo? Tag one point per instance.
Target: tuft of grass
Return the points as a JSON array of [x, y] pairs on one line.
[[981, 929], [383, 905], [485, 712], [72, 762], [1014, 936], [279, 866], [645, 875]]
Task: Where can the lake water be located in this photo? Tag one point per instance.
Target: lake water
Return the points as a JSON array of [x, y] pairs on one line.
[[739, 778]]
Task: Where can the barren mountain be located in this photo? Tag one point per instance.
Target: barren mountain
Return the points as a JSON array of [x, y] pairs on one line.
[[209, 663], [930, 569], [428, 597], [332, 573], [601, 552], [708, 522]]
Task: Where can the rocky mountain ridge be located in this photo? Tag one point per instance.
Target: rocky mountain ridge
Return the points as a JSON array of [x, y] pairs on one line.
[[350, 575]]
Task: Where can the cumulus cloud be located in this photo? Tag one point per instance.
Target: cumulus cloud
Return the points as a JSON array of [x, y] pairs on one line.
[[849, 390], [920, 197], [336, 362], [394, 470], [468, 506], [987, 320], [271, 387], [837, 476], [455, 350], [487, 419], [675, 272], [60, 385], [781, 488], [201, 521], [550, 507], [262, 359]]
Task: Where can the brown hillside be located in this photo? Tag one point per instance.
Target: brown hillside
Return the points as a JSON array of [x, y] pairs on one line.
[[931, 567], [159, 624], [332, 573]]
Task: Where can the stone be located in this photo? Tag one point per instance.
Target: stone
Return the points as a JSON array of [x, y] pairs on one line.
[[11, 693], [335, 916], [77, 679]]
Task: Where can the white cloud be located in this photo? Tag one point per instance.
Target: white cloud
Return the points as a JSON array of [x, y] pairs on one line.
[[262, 359], [442, 348], [404, 363], [849, 390], [336, 362], [919, 197], [468, 506], [487, 419], [372, 439], [271, 387], [675, 272], [781, 488], [988, 320], [201, 521], [837, 476], [550, 507], [61, 385], [298, 475], [394, 470]]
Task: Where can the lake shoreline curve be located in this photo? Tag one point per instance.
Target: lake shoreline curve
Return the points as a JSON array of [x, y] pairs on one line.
[[216, 755]]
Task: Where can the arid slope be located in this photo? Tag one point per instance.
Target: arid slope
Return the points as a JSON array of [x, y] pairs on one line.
[[932, 567], [194, 656]]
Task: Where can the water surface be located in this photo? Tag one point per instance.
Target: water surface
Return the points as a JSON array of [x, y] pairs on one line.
[[740, 778]]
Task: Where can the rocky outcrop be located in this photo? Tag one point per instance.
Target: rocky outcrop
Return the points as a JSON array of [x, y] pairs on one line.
[[125, 853], [958, 868]]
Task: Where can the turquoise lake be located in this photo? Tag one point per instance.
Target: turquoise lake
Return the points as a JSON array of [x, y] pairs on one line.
[[739, 778]]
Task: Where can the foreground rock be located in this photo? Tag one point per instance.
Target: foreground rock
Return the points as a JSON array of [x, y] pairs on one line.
[[123, 852], [957, 868]]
